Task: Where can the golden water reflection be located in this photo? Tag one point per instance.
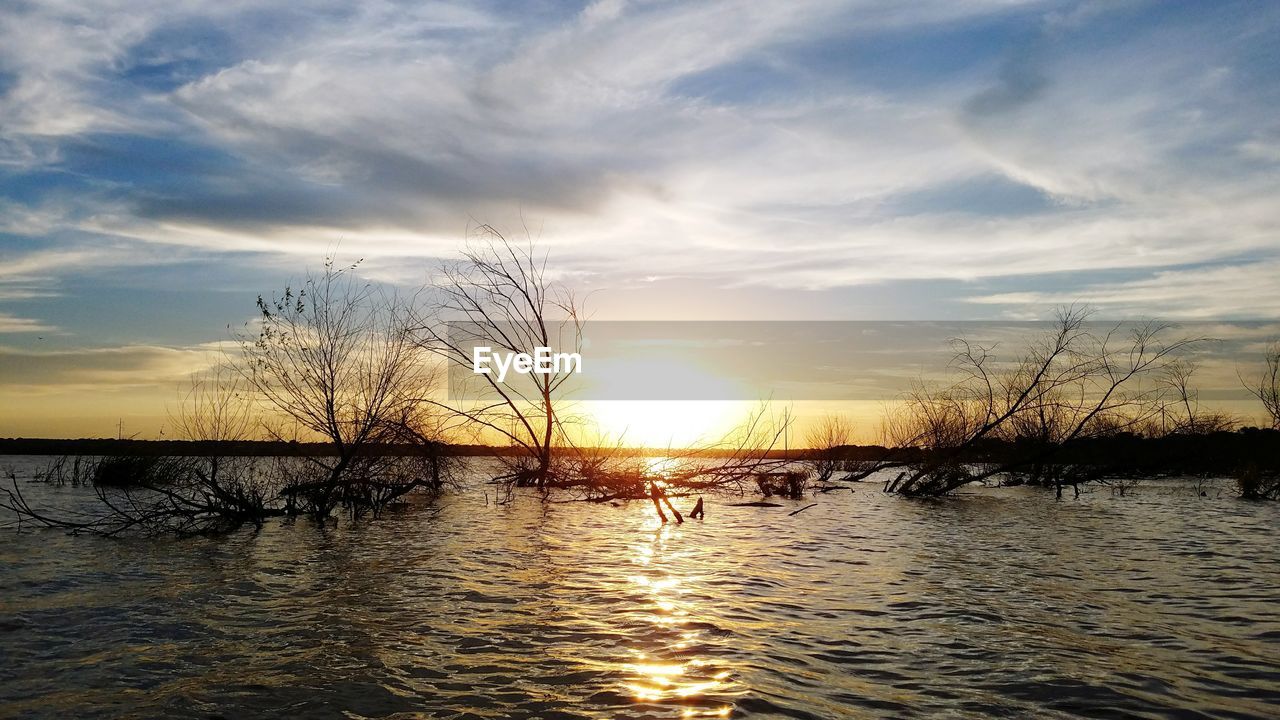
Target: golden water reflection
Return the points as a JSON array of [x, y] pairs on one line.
[[667, 666]]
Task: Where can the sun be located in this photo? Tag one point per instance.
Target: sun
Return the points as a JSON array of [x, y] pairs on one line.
[[665, 423], [660, 402]]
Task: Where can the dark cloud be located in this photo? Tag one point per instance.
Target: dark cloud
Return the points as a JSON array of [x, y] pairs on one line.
[[175, 54], [1021, 80], [988, 195]]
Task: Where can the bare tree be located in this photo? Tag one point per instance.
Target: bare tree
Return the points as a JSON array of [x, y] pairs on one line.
[[734, 461], [1181, 411], [500, 296], [826, 439], [830, 459], [215, 409], [1072, 383], [215, 406], [1266, 385], [337, 357]]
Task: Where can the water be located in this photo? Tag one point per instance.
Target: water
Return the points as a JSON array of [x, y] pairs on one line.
[[998, 603]]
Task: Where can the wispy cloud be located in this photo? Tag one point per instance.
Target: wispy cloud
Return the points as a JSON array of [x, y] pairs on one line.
[[1230, 291], [101, 368], [11, 324]]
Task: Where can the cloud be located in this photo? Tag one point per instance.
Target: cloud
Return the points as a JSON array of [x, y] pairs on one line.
[[100, 368], [11, 324], [732, 142], [37, 273], [1020, 82], [1230, 291]]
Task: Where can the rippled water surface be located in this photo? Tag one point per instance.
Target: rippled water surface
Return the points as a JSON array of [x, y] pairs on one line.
[[997, 603]]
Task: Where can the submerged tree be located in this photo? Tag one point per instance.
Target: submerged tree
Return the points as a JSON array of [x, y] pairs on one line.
[[337, 357], [827, 439], [831, 461], [1266, 385], [1181, 412], [500, 296], [333, 358], [1073, 383], [215, 409], [1258, 477]]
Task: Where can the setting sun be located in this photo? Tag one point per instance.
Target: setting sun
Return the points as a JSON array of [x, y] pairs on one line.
[[658, 422], [666, 423]]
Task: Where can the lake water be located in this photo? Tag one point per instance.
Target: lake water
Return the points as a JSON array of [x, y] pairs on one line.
[[995, 603]]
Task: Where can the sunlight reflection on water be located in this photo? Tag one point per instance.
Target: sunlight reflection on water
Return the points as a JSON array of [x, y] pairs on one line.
[[670, 672]]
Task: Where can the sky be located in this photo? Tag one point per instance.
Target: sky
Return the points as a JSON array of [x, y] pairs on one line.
[[163, 163]]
